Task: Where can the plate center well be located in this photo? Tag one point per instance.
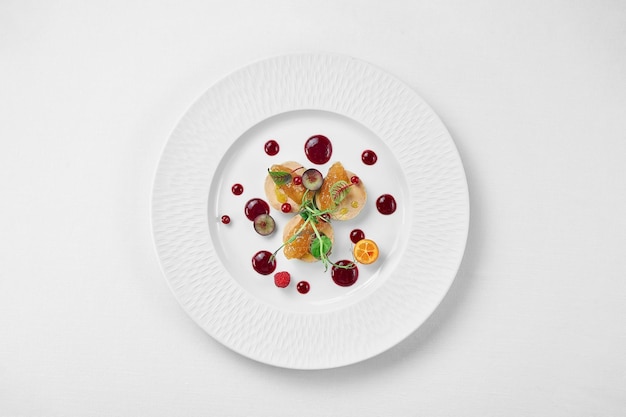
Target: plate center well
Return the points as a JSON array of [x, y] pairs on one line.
[[246, 163]]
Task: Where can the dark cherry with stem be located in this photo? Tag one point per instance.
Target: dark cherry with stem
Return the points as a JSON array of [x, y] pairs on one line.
[[345, 273], [264, 262]]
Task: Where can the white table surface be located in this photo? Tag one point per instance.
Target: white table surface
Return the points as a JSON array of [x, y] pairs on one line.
[[534, 94]]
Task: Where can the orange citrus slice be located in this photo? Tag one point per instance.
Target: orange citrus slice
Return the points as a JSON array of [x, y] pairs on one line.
[[365, 251]]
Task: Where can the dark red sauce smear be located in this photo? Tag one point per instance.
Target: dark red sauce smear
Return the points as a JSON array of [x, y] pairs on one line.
[[356, 235], [254, 207], [237, 189], [386, 204], [263, 262], [271, 147], [369, 157], [345, 277], [318, 149]]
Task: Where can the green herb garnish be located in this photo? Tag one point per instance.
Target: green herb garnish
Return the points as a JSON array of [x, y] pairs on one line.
[[321, 244], [280, 177]]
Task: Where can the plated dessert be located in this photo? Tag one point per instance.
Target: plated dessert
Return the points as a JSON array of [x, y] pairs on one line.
[[314, 201]]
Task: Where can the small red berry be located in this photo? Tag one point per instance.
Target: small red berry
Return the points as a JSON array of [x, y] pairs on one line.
[[303, 287], [285, 208], [225, 219], [354, 179], [282, 279], [297, 180], [237, 189]]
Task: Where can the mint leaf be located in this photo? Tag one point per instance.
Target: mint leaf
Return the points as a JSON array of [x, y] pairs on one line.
[[280, 177], [320, 247]]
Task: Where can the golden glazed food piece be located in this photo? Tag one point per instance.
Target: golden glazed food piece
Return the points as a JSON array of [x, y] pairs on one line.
[[354, 201], [301, 246], [290, 193]]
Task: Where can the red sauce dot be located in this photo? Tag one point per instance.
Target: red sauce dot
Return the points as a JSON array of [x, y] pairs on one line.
[[237, 189], [285, 208], [271, 147], [255, 207], [303, 287], [318, 149], [369, 157], [386, 204], [356, 235], [225, 219]]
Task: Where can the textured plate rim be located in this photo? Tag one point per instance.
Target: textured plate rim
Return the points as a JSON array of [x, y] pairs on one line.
[[191, 275]]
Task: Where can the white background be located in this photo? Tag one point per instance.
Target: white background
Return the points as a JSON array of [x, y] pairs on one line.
[[534, 95]]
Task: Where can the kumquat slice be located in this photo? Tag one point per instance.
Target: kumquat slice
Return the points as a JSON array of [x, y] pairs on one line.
[[365, 251]]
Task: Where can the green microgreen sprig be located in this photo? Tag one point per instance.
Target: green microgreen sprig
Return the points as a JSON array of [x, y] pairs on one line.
[[321, 245]]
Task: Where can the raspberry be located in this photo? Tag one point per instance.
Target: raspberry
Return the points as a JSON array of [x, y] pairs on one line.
[[282, 279]]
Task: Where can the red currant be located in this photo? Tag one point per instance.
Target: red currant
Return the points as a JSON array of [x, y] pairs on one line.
[[297, 180], [285, 208], [354, 179]]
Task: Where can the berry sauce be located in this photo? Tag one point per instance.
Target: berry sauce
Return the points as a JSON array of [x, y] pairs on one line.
[[255, 207], [303, 287], [318, 149], [225, 219], [356, 235], [271, 147], [345, 277], [369, 157], [386, 204], [237, 189], [263, 262]]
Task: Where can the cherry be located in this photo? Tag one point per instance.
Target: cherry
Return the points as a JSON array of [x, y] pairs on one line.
[[345, 274], [263, 262], [254, 207]]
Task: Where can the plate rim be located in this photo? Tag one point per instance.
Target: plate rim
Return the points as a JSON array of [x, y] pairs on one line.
[[308, 364]]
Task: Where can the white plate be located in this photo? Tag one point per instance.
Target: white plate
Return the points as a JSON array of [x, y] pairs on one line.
[[219, 142]]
